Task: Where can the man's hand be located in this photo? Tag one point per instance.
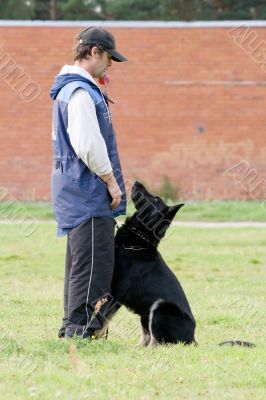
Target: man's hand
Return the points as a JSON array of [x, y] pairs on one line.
[[113, 189]]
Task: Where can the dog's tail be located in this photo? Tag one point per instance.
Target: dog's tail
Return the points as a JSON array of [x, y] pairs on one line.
[[237, 343]]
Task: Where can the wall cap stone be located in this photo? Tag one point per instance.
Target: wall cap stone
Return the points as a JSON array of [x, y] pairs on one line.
[[134, 24]]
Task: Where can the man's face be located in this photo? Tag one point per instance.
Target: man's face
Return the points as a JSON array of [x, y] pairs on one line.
[[101, 62]]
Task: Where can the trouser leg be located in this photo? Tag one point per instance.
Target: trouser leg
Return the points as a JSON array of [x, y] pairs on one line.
[[68, 264], [90, 276]]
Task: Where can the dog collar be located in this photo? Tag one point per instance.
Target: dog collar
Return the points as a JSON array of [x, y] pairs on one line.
[[141, 235], [134, 248]]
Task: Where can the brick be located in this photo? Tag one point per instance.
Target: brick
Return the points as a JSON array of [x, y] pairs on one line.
[[179, 109]]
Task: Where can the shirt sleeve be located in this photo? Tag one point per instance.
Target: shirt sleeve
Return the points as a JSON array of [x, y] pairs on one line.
[[85, 135]]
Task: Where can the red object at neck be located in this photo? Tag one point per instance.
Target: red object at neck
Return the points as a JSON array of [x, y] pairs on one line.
[[104, 80]]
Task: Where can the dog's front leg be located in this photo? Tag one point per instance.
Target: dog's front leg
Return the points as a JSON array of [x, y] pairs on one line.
[[153, 342], [145, 337], [102, 333], [145, 333]]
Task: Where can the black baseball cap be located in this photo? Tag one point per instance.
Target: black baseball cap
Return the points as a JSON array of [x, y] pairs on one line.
[[96, 35]]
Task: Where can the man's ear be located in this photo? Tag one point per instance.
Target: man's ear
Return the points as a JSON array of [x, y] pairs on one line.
[[94, 51], [171, 212]]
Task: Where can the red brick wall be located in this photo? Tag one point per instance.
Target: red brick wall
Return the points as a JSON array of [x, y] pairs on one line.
[[190, 104]]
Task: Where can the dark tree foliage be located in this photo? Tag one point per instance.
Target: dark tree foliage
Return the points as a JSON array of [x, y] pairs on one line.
[[16, 9], [166, 10]]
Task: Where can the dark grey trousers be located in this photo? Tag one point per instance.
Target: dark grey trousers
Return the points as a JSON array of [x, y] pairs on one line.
[[88, 274]]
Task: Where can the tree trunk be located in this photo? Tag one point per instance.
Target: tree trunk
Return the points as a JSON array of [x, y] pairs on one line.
[[53, 10]]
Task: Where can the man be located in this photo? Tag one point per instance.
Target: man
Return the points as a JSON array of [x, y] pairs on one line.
[[87, 183]]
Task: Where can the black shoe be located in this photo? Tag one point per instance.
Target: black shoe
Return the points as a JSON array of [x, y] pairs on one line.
[[80, 333], [61, 332]]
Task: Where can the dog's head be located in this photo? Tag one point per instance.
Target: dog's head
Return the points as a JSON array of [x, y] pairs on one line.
[[152, 213]]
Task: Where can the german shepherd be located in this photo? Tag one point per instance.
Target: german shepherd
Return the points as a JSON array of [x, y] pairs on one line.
[[142, 280]]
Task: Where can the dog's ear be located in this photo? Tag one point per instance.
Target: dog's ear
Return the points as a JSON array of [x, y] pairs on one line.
[[136, 188], [171, 212]]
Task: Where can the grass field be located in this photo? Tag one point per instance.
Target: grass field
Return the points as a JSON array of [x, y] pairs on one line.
[[223, 273], [193, 211]]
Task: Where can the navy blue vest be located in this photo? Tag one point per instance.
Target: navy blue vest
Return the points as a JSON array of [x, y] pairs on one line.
[[77, 193]]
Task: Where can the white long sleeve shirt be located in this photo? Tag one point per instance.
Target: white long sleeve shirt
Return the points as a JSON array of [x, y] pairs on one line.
[[83, 127]]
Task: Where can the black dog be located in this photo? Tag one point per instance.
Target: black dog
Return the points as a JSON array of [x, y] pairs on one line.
[[142, 281]]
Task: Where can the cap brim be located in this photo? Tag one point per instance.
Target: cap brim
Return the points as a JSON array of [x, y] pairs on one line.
[[117, 56]]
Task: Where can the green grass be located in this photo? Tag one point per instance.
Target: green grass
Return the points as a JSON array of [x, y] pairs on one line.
[[193, 211], [223, 211], [223, 273]]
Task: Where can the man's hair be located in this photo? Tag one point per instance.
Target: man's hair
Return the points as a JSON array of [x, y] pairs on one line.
[[83, 51]]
